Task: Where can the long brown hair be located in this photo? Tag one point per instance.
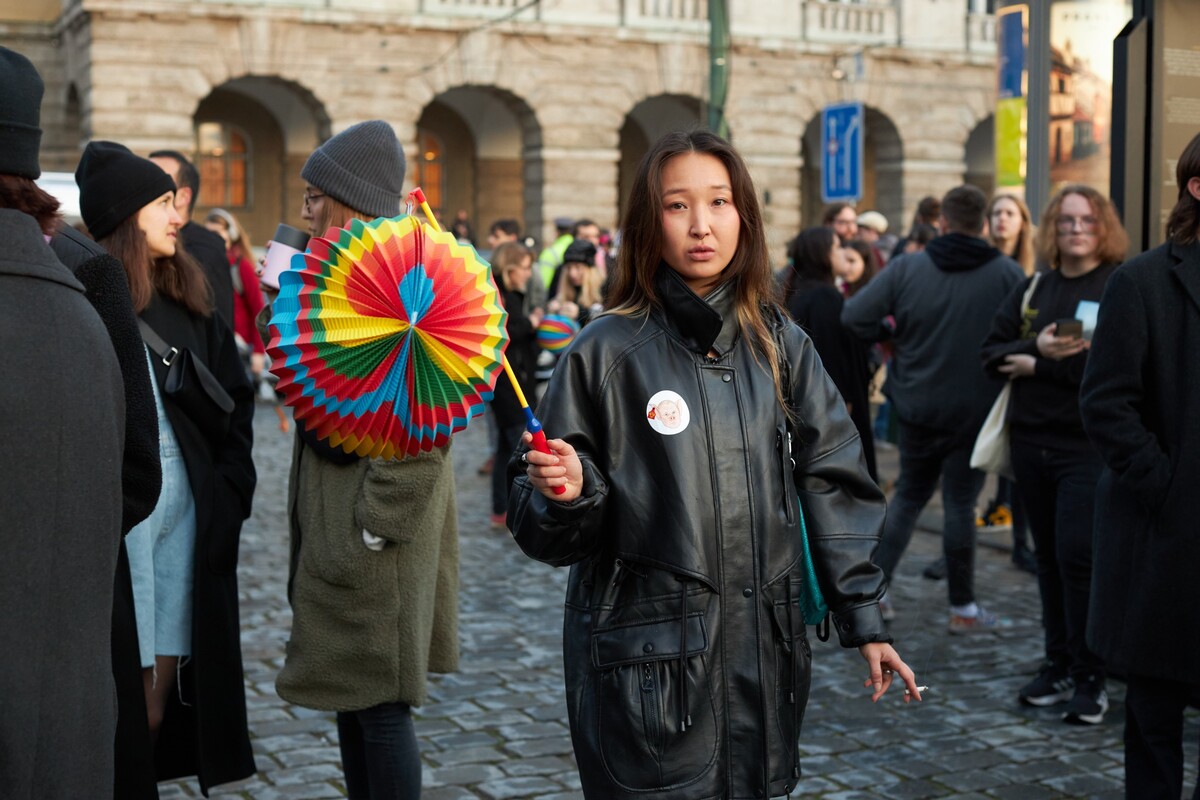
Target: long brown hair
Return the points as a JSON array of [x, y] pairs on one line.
[[1112, 241], [756, 295], [1183, 226], [1023, 248], [22, 194], [178, 277]]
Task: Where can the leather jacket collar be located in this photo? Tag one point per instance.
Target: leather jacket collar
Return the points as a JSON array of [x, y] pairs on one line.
[[702, 324]]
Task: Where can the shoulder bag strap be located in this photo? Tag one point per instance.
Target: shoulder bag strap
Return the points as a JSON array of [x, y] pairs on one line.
[[160, 348], [1028, 297]]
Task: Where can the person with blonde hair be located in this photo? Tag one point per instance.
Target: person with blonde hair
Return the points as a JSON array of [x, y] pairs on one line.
[[1041, 345], [1011, 230], [580, 291]]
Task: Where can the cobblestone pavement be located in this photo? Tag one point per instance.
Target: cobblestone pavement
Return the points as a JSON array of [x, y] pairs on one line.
[[497, 729]]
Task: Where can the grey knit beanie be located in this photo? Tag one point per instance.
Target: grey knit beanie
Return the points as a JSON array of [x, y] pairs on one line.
[[362, 167]]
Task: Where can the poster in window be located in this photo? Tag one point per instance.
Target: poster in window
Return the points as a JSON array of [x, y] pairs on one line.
[[1081, 78]]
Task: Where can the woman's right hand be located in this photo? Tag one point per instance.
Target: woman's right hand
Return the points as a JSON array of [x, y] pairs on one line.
[[560, 467], [1056, 348]]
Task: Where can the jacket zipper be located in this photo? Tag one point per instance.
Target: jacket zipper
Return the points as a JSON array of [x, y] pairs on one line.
[[788, 485], [650, 710]]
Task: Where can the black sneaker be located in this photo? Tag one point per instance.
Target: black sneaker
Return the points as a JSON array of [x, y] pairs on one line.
[[1051, 686], [1088, 705]]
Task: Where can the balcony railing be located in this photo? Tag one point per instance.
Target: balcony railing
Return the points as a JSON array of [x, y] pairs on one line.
[[470, 8], [688, 15], [855, 23], [981, 33]]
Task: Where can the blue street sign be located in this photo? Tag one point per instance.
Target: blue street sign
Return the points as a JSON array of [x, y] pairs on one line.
[[841, 152]]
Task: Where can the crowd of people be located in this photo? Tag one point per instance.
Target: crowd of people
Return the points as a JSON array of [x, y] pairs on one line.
[[712, 468]]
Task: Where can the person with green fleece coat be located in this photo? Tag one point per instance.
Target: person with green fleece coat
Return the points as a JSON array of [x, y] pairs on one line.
[[373, 578]]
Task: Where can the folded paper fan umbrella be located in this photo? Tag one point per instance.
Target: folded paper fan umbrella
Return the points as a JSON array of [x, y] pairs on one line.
[[388, 337], [556, 332]]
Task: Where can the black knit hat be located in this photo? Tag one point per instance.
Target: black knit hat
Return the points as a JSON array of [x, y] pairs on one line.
[[21, 91], [580, 251], [362, 167], [114, 184]]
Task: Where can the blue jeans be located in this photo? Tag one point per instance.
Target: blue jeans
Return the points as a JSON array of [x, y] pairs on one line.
[[380, 756], [927, 455], [1058, 488]]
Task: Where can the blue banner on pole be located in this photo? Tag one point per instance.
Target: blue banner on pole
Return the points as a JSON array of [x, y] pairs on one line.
[[842, 152]]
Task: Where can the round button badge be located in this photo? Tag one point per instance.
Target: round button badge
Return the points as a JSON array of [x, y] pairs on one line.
[[668, 413]]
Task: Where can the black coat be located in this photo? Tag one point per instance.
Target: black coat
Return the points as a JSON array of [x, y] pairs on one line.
[[1141, 405], [107, 289], [686, 548], [60, 525], [522, 357], [209, 737], [209, 249], [817, 308]]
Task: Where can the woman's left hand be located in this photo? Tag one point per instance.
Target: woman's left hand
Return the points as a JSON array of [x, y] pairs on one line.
[[1018, 365], [886, 664]]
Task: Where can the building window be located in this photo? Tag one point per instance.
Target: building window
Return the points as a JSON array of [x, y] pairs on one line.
[[431, 176], [223, 158]]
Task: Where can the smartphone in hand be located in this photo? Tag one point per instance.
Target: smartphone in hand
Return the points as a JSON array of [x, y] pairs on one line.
[[1069, 328]]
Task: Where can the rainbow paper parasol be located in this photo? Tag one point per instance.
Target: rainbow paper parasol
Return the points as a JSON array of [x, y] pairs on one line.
[[387, 336], [556, 332]]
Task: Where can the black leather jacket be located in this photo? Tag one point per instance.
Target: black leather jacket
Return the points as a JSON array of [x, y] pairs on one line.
[[687, 663]]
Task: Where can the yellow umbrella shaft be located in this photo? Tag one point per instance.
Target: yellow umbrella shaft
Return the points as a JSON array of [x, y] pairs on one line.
[[516, 386]]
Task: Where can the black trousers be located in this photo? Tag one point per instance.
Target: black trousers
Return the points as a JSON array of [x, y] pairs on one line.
[[1058, 488], [1154, 737], [380, 756]]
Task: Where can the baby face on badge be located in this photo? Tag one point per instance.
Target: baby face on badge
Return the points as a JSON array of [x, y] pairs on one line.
[[667, 413]]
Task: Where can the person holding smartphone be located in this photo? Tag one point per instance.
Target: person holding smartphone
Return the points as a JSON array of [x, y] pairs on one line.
[[1043, 350]]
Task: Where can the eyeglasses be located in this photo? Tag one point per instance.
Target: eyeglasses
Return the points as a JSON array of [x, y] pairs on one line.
[[1067, 224], [310, 198]]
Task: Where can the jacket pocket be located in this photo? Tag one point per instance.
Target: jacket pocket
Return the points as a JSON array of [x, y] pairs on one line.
[[792, 670], [655, 715]]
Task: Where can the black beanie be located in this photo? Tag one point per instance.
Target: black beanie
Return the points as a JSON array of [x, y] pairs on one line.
[[362, 167], [580, 251], [114, 184], [20, 112]]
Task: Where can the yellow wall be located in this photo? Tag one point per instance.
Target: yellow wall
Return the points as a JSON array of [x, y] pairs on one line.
[[30, 10]]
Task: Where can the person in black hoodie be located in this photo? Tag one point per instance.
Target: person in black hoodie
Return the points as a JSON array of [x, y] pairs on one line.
[[813, 300], [942, 300], [1082, 241]]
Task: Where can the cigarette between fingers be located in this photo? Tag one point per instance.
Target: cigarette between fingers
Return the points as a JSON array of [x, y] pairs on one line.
[[919, 689]]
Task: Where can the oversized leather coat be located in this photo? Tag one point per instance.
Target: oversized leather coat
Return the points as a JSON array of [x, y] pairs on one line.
[[687, 663]]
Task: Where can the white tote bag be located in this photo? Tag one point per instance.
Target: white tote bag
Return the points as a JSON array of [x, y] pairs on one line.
[[992, 452]]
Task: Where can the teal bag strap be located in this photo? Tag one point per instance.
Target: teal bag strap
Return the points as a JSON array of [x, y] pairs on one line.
[[813, 607]]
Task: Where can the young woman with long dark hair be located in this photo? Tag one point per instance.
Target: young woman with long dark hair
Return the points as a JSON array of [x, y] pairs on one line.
[[692, 415], [183, 557], [814, 302]]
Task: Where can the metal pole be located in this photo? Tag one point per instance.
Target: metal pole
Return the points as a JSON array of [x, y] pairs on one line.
[[718, 66]]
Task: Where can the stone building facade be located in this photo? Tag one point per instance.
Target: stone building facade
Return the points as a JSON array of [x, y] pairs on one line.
[[512, 108]]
